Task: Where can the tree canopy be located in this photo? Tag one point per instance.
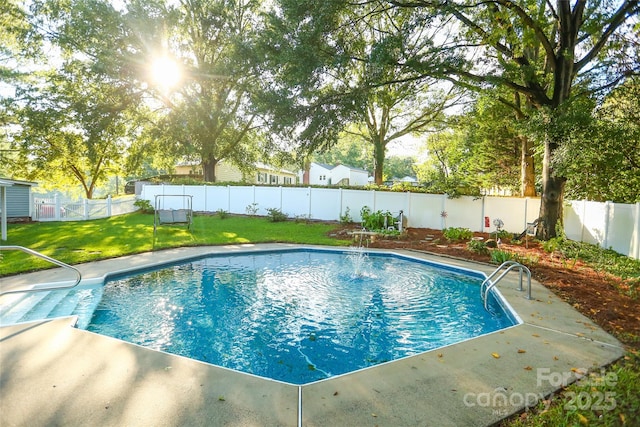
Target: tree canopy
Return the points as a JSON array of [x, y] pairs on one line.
[[550, 54], [288, 79]]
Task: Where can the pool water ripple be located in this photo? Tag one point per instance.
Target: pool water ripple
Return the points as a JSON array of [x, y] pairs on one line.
[[295, 316]]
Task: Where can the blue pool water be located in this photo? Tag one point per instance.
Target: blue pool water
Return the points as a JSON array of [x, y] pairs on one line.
[[296, 316]]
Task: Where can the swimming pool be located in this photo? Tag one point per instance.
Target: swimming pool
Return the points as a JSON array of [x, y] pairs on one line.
[[298, 316]]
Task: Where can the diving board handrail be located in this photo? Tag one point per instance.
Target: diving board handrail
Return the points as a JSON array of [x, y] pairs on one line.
[[46, 258], [484, 290]]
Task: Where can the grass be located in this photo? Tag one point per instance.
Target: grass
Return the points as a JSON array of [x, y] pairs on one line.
[[609, 398], [76, 242]]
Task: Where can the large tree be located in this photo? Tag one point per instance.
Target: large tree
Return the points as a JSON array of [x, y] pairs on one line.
[[73, 129], [71, 116], [583, 44], [334, 65], [209, 114], [501, 154], [20, 48], [608, 167]]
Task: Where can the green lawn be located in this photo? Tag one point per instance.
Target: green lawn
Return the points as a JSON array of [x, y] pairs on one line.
[[75, 242]]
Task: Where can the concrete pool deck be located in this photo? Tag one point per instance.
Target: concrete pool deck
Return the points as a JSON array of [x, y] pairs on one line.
[[54, 374]]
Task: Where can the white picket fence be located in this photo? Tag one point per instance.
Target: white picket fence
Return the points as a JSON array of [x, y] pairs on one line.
[[58, 208], [610, 225]]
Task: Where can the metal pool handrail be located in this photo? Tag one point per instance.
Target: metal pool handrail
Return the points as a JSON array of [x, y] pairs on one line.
[[46, 258], [511, 265]]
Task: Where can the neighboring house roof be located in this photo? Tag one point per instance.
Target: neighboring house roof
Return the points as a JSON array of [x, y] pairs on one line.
[[329, 167], [264, 166], [324, 166], [5, 182], [357, 169]]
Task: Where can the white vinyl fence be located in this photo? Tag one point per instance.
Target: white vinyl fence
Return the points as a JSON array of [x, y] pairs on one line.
[[608, 224], [57, 208]]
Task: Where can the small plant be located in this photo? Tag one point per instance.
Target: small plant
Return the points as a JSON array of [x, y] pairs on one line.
[[222, 214], [376, 221], [302, 218], [503, 235], [276, 215], [477, 246], [390, 232], [457, 233], [552, 244], [346, 217], [143, 205], [499, 256], [252, 209]]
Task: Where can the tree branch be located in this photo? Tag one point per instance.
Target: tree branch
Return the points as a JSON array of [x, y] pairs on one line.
[[629, 7]]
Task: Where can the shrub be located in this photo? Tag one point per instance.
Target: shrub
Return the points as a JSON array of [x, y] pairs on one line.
[[376, 221], [552, 244], [252, 209], [457, 233], [222, 214], [477, 246], [143, 205], [346, 217], [302, 218], [276, 215], [502, 235], [498, 256]]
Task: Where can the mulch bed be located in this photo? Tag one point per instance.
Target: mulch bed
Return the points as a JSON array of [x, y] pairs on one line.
[[595, 294]]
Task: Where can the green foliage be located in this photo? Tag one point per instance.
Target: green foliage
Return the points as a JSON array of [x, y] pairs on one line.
[[600, 154], [552, 244], [606, 260], [363, 98], [457, 233], [72, 128], [276, 215], [619, 384], [345, 218], [445, 170], [503, 235], [376, 221], [302, 218], [499, 256], [348, 150], [252, 209], [478, 246], [480, 149], [222, 214], [143, 205], [399, 167]]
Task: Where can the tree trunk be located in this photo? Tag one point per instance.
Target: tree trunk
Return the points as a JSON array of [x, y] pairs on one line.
[[527, 169], [378, 161], [209, 169], [552, 196]]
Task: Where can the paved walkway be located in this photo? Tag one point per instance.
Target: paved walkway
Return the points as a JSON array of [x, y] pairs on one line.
[[53, 374]]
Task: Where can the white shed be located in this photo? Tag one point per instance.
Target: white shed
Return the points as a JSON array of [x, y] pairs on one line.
[[15, 202]]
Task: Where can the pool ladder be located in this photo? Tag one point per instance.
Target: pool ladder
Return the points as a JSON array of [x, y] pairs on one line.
[[46, 258], [487, 285]]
